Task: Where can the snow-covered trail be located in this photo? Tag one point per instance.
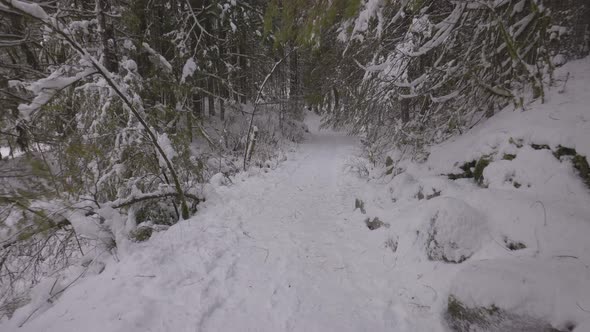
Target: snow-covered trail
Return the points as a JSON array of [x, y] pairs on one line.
[[281, 251]]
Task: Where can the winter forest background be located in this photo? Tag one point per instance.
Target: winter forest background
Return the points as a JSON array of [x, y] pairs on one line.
[[114, 114]]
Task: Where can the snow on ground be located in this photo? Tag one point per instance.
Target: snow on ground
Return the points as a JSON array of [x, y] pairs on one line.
[[275, 251], [286, 250]]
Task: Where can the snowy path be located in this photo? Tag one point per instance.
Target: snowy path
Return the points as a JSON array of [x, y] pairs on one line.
[[281, 251]]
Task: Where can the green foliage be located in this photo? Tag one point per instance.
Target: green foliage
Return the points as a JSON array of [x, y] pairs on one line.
[[141, 234], [352, 8]]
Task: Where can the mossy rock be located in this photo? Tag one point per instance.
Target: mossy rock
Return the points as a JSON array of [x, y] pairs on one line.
[[461, 318], [141, 234]]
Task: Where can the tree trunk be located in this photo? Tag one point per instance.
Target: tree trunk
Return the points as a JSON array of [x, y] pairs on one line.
[[211, 98], [198, 106], [294, 92], [405, 110], [107, 35]]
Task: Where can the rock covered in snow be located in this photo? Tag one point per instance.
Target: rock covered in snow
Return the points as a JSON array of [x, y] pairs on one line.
[[454, 230]]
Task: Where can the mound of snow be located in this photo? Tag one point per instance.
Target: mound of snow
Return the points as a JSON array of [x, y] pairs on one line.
[[455, 230], [551, 290]]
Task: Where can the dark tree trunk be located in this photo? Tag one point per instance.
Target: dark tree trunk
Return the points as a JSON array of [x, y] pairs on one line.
[[198, 106], [107, 35], [211, 98], [405, 110]]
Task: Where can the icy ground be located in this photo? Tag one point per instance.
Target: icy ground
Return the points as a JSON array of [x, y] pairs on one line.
[[286, 250]]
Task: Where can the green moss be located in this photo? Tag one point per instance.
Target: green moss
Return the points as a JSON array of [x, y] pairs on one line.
[[352, 8], [482, 163], [564, 151], [508, 156]]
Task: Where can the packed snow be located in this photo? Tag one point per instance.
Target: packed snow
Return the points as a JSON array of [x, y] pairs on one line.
[[289, 249]]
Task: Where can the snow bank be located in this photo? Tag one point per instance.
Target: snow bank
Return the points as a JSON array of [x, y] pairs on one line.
[[564, 119], [553, 290]]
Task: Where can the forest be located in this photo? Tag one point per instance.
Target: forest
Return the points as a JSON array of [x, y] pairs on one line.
[[122, 121]]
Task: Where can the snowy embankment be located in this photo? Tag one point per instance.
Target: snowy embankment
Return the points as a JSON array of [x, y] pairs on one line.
[[500, 248]]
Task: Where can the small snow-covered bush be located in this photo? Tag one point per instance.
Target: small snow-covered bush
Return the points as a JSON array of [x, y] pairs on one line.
[[358, 167]]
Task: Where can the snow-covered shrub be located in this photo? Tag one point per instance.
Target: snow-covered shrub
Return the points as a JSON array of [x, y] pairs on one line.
[[452, 65], [359, 167]]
